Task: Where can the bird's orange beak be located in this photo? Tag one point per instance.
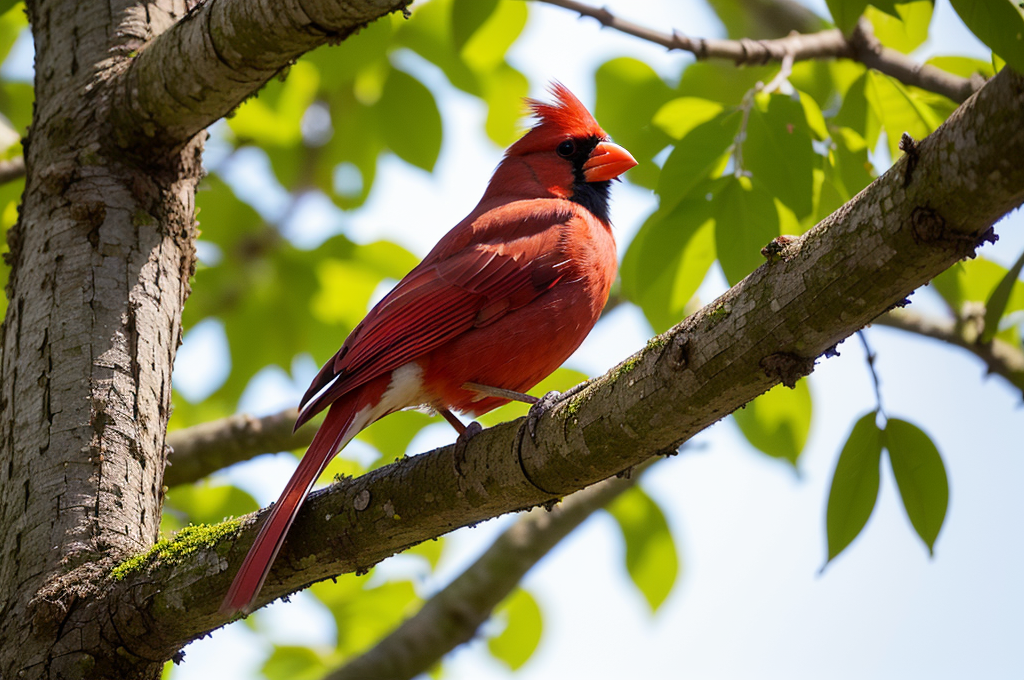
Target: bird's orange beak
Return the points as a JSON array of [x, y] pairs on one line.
[[607, 161]]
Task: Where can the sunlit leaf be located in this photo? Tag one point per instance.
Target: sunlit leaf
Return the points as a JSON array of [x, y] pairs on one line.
[[524, 625], [363, 614], [846, 12], [274, 117], [393, 435], [204, 503], [721, 82], [778, 421], [852, 166], [484, 50], [965, 67], [999, 24], [1000, 298], [668, 259], [679, 116], [857, 114], [778, 152], [12, 22], [905, 32], [651, 558], [338, 65], [974, 281], [430, 550], [629, 94], [467, 16], [899, 110], [698, 156], [854, 485], [409, 119], [293, 662], [503, 90], [921, 478], [746, 220]]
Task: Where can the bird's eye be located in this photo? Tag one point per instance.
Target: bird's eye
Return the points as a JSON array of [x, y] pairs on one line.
[[566, 148]]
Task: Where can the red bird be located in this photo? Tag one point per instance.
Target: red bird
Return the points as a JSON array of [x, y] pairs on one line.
[[498, 304]]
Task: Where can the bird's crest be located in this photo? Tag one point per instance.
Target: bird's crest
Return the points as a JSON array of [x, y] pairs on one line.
[[566, 117]]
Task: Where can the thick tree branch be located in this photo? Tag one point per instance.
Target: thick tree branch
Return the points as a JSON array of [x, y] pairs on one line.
[[861, 46], [452, 616], [906, 227], [1000, 357], [223, 51], [200, 450]]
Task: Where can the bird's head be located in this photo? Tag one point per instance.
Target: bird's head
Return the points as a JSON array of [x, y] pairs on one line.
[[566, 153]]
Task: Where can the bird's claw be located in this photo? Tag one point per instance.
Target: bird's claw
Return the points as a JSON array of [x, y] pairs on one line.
[[539, 408], [473, 429]]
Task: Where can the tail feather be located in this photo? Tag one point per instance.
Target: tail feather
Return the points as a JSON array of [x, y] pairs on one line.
[[337, 429]]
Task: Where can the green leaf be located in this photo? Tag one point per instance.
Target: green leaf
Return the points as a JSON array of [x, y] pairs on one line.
[[524, 625], [777, 422], [778, 151], [900, 110], [854, 485], [850, 158], [204, 503], [846, 12], [975, 281], [338, 65], [274, 117], [907, 30], [997, 23], [1000, 298], [679, 116], [485, 49], [651, 558], [503, 90], [467, 17], [921, 478], [721, 82], [12, 22], [857, 114], [698, 156], [965, 67], [410, 121], [363, 614], [629, 94], [392, 436], [294, 662], [668, 259], [746, 220]]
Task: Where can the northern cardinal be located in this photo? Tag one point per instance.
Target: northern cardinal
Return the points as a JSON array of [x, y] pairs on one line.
[[498, 304]]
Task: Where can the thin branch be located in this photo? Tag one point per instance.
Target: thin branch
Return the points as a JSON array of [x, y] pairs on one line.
[[202, 449], [893, 237], [861, 46], [12, 169], [1001, 358], [452, 616]]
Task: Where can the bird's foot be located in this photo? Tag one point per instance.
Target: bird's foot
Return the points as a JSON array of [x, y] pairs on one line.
[[470, 431], [544, 404]]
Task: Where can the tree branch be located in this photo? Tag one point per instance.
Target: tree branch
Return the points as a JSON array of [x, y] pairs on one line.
[[1002, 358], [200, 450], [452, 616], [210, 60], [910, 224], [862, 46]]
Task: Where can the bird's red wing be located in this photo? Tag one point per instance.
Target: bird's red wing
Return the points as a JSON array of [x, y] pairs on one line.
[[436, 303]]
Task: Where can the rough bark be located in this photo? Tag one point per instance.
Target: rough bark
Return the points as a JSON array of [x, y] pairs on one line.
[[929, 211], [100, 263]]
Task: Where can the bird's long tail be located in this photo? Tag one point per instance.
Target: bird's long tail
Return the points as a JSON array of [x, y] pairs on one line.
[[344, 420]]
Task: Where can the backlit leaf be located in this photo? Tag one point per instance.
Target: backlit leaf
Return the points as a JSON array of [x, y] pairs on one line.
[[651, 558], [410, 121], [778, 151], [467, 17], [698, 156], [846, 12], [777, 422], [854, 485], [905, 32], [921, 478], [899, 110], [679, 116], [997, 23], [746, 220], [1000, 298], [485, 49], [294, 662], [524, 625]]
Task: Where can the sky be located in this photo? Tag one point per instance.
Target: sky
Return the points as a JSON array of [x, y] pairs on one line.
[[752, 600]]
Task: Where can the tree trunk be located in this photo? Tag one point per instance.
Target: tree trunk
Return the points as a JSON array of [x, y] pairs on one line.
[[100, 261]]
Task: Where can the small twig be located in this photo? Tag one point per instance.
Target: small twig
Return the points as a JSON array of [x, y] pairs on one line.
[[862, 46], [871, 356]]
